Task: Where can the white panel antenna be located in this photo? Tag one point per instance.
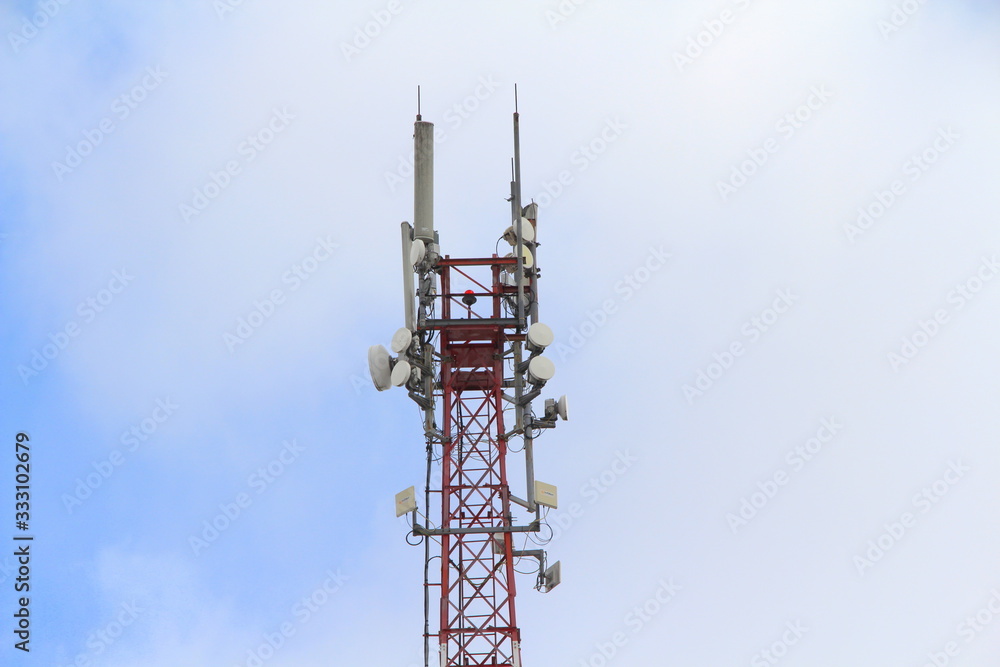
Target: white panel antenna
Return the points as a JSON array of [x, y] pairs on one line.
[[546, 494], [406, 501], [552, 577]]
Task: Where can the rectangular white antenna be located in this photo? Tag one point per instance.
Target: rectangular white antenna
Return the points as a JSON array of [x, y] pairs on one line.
[[408, 295], [546, 494], [552, 577], [406, 501]]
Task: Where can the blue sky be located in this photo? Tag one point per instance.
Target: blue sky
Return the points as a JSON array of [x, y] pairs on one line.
[[821, 176]]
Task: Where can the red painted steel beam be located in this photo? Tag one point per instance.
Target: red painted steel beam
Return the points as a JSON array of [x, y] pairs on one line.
[[477, 590]]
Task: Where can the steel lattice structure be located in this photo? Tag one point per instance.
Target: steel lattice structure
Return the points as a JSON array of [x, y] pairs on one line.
[[478, 624], [469, 354]]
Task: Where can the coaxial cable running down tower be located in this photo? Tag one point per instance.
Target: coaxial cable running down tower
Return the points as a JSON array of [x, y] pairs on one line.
[[470, 355]]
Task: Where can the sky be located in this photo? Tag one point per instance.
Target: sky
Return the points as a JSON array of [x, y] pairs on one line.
[[769, 254]]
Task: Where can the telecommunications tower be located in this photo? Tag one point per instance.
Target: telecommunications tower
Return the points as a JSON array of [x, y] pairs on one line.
[[470, 355]]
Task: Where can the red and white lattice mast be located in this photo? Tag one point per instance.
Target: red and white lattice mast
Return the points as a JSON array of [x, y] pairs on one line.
[[470, 355]]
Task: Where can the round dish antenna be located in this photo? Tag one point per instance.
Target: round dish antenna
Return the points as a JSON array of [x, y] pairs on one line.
[[401, 340], [400, 373], [417, 252], [540, 336], [562, 408], [378, 366], [527, 259], [540, 370], [527, 233]]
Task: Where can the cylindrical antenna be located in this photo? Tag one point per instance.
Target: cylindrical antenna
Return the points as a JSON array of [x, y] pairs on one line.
[[423, 181]]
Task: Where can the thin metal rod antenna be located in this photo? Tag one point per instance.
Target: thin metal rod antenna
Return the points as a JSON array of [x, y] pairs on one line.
[[418, 102], [519, 278], [517, 220]]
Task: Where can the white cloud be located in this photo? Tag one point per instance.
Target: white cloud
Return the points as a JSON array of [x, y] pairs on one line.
[[655, 184]]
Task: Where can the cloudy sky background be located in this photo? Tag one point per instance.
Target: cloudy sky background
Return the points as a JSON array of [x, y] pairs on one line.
[[664, 133]]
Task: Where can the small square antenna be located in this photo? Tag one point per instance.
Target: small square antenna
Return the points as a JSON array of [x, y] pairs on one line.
[[546, 494], [553, 576], [406, 501]]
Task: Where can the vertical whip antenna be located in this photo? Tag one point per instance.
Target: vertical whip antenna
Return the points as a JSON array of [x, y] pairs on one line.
[[516, 221]]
